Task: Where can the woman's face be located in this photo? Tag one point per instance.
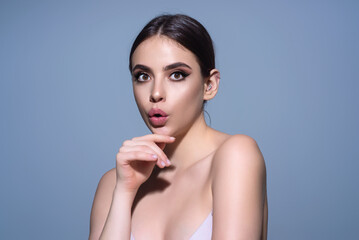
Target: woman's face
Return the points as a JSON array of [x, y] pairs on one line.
[[168, 85]]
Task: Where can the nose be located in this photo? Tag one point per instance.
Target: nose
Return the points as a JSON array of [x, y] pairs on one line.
[[158, 92]]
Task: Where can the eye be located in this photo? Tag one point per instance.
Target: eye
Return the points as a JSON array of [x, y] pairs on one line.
[[178, 76], [142, 77]]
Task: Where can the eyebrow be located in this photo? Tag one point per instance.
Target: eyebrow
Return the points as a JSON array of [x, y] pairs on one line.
[[176, 65], [141, 67], [168, 67]]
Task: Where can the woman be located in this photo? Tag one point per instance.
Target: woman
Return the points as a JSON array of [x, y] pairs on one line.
[[186, 180]]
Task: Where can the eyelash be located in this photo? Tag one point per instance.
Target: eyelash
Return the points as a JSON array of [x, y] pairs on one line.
[[139, 74], [183, 74]]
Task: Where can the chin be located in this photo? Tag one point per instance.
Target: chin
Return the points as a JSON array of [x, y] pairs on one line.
[[161, 130]]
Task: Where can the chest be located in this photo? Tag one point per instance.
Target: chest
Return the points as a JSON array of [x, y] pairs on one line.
[[173, 209]]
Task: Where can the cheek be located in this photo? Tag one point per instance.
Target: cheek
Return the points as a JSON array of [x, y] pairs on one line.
[[138, 93], [189, 96]]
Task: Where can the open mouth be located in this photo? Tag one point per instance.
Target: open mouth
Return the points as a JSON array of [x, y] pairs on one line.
[[157, 117]]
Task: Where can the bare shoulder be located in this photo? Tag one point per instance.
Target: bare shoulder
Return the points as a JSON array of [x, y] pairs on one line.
[[101, 203], [108, 180], [237, 157], [106, 185], [238, 189], [238, 151]]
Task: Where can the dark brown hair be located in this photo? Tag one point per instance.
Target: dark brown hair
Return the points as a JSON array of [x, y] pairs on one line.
[[186, 31]]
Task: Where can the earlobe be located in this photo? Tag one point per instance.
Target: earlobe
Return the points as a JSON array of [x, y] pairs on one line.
[[211, 85]]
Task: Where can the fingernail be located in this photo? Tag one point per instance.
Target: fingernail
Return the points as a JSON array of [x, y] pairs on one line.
[[163, 163], [154, 156], [172, 138], [168, 162]]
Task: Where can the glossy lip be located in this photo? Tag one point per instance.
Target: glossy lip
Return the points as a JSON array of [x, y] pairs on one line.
[[158, 120], [155, 111]]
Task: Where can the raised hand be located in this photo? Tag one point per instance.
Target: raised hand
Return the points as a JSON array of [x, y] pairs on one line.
[[137, 157]]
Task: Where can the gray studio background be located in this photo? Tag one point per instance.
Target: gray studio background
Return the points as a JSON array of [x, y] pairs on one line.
[[289, 79]]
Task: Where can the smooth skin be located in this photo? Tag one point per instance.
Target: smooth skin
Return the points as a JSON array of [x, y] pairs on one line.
[[165, 184]]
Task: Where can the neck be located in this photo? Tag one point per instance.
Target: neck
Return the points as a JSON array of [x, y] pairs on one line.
[[191, 146]]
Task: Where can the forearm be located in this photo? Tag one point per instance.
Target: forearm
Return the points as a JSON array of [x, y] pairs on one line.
[[118, 223]]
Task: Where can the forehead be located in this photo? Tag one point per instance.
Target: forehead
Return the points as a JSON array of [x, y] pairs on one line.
[[159, 51]]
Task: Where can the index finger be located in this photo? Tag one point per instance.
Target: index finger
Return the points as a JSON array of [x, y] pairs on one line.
[[155, 138]]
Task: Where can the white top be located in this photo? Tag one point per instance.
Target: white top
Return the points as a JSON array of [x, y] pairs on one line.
[[204, 232]]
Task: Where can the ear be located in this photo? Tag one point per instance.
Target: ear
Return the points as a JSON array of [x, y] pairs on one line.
[[211, 85]]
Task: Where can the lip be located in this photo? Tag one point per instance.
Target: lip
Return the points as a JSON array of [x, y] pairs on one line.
[[155, 111], [157, 117]]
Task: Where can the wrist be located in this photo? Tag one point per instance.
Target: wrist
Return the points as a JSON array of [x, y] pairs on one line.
[[124, 191]]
